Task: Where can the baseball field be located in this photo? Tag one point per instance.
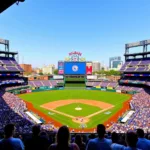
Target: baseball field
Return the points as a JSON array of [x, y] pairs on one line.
[[77, 108]]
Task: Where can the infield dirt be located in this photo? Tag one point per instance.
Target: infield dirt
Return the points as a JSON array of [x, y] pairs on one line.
[[53, 105]]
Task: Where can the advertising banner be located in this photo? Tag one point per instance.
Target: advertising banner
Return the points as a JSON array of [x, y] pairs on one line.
[[98, 87], [60, 68], [103, 89], [58, 77], [92, 77], [108, 87], [118, 91], [89, 68]]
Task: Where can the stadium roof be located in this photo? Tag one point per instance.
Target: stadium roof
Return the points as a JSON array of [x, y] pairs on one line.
[[6, 52], [136, 54], [4, 4]]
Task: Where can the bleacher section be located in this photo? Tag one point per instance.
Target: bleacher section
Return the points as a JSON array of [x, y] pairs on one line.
[[101, 84], [128, 88], [40, 83], [9, 64], [113, 85], [136, 65]]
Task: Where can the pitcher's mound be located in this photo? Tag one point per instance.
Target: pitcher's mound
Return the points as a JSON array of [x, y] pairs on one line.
[[80, 120], [78, 108]]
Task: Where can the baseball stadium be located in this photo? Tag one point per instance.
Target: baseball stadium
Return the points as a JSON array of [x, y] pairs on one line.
[[75, 97], [78, 103]]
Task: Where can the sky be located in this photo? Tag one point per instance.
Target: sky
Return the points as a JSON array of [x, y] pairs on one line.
[[45, 31]]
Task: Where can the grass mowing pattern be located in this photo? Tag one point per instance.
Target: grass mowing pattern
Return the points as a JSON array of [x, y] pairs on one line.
[[70, 109], [40, 98]]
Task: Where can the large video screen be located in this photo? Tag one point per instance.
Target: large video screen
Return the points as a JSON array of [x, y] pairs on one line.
[[75, 68]]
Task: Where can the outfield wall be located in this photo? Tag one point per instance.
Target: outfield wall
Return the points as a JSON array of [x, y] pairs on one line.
[[112, 90]]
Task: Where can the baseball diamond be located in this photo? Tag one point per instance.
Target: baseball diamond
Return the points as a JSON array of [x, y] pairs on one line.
[[60, 105]]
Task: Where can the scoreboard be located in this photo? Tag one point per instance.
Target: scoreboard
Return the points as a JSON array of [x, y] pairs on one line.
[[74, 68]]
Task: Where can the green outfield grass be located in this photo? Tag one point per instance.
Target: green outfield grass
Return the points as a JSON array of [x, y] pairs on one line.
[[40, 98], [75, 85], [74, 79], [70, 109]]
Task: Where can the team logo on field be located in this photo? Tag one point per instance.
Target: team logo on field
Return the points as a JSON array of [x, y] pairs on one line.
[[75, 68]]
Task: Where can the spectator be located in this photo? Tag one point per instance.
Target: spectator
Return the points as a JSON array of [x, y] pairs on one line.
[[109, 135], [131, 140], [10, 143], [99, 143], [149, 136], [115, 140], [46, 142], [36, 142], [142, 143], [79, 142], [63, 136]]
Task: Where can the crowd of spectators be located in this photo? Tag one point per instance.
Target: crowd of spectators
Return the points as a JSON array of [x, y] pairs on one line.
[[62, 140], [141, 118], [12, 110], [15, 87]]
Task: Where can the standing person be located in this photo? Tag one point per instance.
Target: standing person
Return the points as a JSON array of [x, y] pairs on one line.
[[100, 143], [115, 145], [36, 142], [142, 143], [79, 142], [10, 143], [131, 140], [63, 137]]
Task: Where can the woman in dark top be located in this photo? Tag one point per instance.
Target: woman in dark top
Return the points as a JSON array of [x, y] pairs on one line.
[[63, 137], [79, 142]]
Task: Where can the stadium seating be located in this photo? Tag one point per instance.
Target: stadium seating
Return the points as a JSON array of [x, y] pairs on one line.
[[12, 110], [141, 118], [102, 84], [9, 64], [128, 88], [40, 83], [16, 108], [135, 65], [15, 87]]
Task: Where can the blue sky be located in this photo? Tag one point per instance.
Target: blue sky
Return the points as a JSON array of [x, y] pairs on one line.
[[45, 31]]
